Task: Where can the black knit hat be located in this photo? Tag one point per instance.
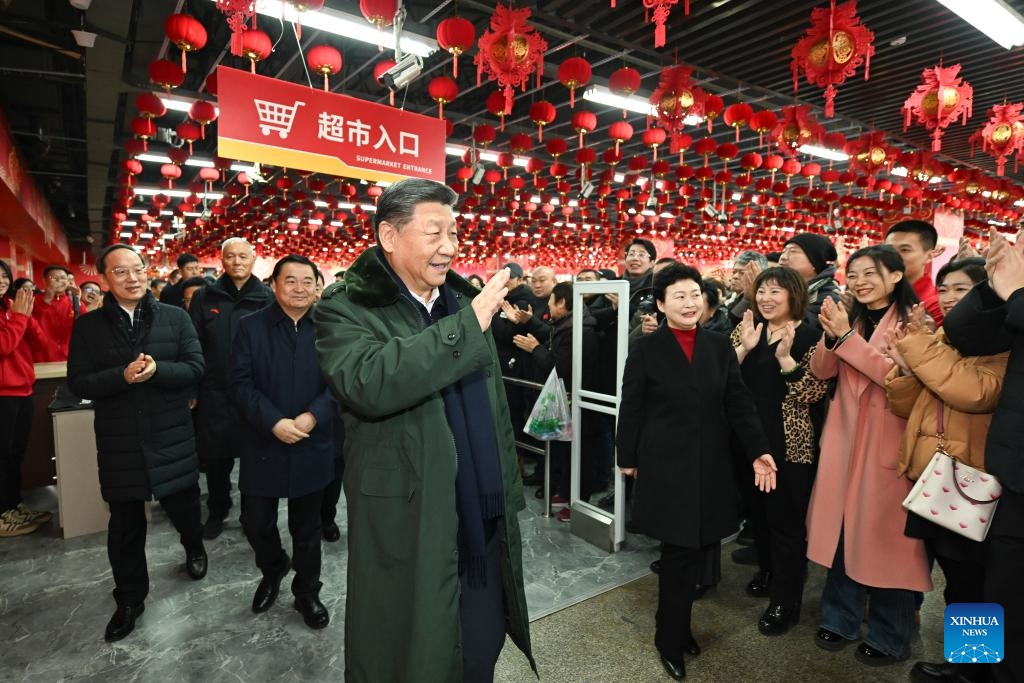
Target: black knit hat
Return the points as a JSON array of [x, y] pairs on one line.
[[819, 249]]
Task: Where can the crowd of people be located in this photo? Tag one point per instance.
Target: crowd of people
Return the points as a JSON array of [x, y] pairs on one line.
[[779, 398]]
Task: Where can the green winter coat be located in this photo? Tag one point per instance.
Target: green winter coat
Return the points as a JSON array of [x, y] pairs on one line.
[[388, 369]]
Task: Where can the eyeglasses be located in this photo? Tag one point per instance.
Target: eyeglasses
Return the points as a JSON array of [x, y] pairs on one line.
[[121, 272], [637, 254], [90, 290]]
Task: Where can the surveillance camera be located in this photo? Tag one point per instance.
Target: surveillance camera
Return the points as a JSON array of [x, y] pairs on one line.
[[80, 4], [710, 212], [84, 38], [478, 173], [586, 189], [403, 73]]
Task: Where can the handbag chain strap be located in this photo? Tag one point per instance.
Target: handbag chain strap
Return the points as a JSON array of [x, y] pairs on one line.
[[942, 447]]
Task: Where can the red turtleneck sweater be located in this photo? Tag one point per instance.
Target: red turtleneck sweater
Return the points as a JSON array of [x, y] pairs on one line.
[[686, 339]]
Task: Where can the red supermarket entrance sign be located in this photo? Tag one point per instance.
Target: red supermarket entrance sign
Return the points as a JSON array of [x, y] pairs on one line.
[[276, 123]]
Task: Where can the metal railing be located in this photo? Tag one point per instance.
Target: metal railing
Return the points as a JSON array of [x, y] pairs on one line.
[[546, 451]]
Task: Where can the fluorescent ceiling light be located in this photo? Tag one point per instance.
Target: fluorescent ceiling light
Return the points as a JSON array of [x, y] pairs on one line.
[[180, 104], [193, 161], [129, 224], [824, 153], [348, 26], [599, 94], [148, 191], [458, 151], [126, 234], [992, 17]]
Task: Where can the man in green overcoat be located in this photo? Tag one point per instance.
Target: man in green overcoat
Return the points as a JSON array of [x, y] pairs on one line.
[[435, 576]]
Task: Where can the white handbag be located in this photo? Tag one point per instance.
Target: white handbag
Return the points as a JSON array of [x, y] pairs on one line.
[[953, 495]]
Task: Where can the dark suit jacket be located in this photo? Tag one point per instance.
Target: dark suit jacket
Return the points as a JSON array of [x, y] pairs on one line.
[[674, 425]]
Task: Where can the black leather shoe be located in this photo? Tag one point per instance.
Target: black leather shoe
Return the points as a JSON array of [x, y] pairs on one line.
[[331, 532], [927, 672], [758, 586], [778, 619], [676, 668], [213, 528], [656, 567], [746, 535], [196, 563], [692, 647], [313, 611], [830, 640], [869, 656], [266, 592], [123, 621], [700, 590], [745, 556]]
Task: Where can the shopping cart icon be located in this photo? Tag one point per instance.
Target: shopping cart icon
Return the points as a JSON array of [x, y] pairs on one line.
[[276, 117]]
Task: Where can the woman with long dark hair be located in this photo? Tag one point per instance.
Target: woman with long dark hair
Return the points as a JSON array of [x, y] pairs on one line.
[[855, 520], [931, 374], [774, 348], [19, 333], [682, 397]]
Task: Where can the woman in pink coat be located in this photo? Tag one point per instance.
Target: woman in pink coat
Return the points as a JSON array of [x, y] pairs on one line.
[[856, 519]]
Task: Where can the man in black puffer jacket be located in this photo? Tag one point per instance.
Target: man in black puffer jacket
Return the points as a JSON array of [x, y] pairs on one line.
[[989, 320], [139, 362], [216, 310]]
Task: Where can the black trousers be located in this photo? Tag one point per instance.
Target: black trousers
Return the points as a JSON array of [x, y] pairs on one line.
[[785, 515], [965, 582], [1004, 566], [126, 539], [15, 423], [482, 618], [259, 520], [218, 486], [680, 569], [332, 494]]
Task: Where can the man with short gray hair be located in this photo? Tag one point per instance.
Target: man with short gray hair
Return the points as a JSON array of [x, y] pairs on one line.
[[215, 311]]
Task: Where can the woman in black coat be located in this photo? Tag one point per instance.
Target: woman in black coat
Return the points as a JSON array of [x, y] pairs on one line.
[[682, 396]]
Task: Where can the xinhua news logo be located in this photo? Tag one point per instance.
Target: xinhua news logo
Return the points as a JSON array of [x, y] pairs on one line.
[[974, 633]]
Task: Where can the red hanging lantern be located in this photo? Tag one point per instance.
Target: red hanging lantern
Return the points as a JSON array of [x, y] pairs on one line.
[[510, 51], [380, 13], [541, 113], [737, 116], [574, 73], [1003, 135], [654, 138], [556, 147], [325, 60], [442, 90], [255, 46], [796, 128], [620, 131], [132, 167], [187, 33], [189, 132], [143, 129], [171, 172], [166, 74], [150, 106], [495, 104], [456, 35], [211, 84], [484, 135], [938, 101], [584, 122], [624, 82], [520, 143], [203, 113], [763, 122], [832, 50], [713, 105]]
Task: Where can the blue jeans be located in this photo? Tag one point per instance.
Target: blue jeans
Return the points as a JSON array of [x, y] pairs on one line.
[[890, 610]]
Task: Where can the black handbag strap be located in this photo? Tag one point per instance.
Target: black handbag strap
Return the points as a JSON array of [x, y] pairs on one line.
[[940, 428]]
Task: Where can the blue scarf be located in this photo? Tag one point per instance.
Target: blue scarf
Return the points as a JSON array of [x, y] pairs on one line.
[[479, 497]]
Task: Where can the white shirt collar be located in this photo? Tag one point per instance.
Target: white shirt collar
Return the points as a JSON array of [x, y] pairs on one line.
[[427, 303]]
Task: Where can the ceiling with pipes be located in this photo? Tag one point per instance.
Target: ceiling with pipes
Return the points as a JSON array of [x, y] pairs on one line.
[[71, 110]]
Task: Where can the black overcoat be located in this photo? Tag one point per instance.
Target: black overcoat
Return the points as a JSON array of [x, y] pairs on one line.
[[674, 425], [215, 311], [277, 375], [144, 438]]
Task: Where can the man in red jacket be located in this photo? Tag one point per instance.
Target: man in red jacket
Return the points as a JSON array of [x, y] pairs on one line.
[[916, 240], [56, 310]]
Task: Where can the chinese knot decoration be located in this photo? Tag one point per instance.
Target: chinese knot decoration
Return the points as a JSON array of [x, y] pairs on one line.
[[1003, 135], [938, 101], [660, 15], [795, 128], [869, 154], [510, 51], [832, 50], [676, 97], [237, 13]]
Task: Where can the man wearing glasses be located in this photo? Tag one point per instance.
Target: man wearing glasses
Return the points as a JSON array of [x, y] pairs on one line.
[[56, 310], [139, 361]]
